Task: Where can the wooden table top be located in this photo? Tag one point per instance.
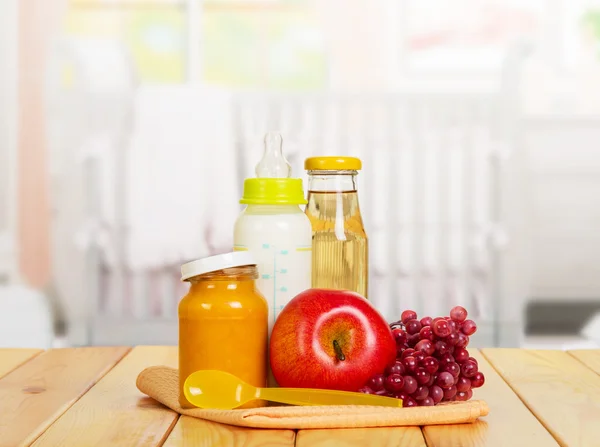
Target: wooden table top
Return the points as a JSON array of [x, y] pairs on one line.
[[87, 396]]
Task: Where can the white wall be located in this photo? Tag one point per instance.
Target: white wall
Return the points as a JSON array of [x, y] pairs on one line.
[[564, 177]]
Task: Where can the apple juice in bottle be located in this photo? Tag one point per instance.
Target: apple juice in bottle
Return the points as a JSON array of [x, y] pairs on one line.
[[339, 241]]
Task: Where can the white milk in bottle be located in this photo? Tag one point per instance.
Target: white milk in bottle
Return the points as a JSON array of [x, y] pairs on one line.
[[275, 229]]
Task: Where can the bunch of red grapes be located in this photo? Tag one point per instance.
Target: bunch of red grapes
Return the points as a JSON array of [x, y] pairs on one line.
[[432, 363]]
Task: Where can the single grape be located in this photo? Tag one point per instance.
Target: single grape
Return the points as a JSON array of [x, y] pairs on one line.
[[469, 394], [441, 347], [425, 346], [426, 333], [452, 368], [419, 356], [410, 363], [436, 393], [408, 315], [399, 336], [427, 402], [441, 328], [410, 384], [396, 368], [409, 402], [452, 339], [468, 369], [426, 321], [461, 396], [445, 359], [413, 326], [477, 380], [412, 340], [421, 393], [376, 382], [394, 383], [400, 395], [452, 324], [469, 327], [474, 360], [431, 381], [430, 364], [461, 355], [445, 379], [458, 314], [463, 340], [449, 393], [366, 390], [422, 376], [463, 384], [407, 353]]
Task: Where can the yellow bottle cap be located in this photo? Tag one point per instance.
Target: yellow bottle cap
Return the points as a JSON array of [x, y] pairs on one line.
[[332, 164], [273, 191]]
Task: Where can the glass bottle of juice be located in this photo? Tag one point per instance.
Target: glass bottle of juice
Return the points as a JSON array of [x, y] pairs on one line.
[[223, 321], [340, 245]]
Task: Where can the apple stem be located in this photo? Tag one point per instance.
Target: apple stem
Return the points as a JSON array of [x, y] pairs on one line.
[[338, 351]]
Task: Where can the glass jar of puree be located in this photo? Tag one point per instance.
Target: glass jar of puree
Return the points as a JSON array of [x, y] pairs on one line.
[[223, 321]]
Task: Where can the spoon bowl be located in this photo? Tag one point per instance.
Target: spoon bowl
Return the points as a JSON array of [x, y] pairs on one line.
[[217, 389]]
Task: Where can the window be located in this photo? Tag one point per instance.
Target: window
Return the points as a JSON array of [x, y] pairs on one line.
[[152, 31], [466, 35], [244, 43]]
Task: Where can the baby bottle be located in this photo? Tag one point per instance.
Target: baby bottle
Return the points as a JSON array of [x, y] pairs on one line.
[[275, 229]]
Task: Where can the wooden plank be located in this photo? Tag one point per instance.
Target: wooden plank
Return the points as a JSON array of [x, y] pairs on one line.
[[589, 357], [37, 393], [383, 436], [10, 358], [191, 431], [508, 416], [114, 412], [562, 393]]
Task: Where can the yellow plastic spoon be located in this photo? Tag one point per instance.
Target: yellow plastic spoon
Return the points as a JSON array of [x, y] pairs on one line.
[[221, 390]]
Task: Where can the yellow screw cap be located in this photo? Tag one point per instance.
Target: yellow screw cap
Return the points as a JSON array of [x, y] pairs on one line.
[[332, 164], [273, 191]]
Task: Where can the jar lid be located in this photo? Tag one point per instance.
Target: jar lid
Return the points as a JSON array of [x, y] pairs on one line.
[[332, 164], [217, 262], [273, 191]]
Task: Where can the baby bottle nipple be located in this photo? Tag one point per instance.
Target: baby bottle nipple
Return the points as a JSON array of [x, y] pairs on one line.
[[273, 163]]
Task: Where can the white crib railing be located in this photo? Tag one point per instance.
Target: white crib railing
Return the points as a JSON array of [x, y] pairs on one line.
[[436, 181]]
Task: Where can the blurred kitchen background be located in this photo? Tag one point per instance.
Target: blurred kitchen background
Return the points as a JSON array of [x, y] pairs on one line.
[[128, 126]]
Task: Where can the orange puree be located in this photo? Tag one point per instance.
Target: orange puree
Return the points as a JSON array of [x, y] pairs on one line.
[[223, 325]]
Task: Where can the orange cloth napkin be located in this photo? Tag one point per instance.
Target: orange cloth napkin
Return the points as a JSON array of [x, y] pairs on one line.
[[162, 384]]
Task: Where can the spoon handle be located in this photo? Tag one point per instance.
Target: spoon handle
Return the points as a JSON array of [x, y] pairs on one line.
[[307, 396]]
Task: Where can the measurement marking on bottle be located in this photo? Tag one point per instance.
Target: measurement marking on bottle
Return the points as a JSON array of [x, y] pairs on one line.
[[274, 283], [272, 276]]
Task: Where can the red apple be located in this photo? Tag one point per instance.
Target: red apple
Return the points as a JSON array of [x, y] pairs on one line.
[[330, 339]]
